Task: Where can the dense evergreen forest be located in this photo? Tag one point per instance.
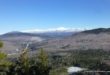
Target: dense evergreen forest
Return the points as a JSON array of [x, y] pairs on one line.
[[44, 63]]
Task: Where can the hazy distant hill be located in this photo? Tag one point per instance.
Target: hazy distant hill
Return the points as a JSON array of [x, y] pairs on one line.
[[17, 40], [89, 39], [97, 31]]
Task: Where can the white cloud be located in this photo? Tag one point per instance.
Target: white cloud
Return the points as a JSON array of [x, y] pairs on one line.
[[54, 29]]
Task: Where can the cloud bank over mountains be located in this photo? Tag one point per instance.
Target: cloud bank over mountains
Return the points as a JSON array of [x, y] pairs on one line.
[[59, 29]]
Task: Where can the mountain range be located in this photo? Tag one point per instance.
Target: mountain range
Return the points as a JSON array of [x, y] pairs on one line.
[[57, 40], [18, 40]]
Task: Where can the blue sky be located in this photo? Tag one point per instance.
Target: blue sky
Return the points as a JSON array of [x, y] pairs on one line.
[[18, 15]]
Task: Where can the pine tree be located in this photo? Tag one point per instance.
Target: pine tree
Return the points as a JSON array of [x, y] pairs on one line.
[[43, 62], [2, 55], [1, 44], [24, 61], [43, 58], [4, 63]]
